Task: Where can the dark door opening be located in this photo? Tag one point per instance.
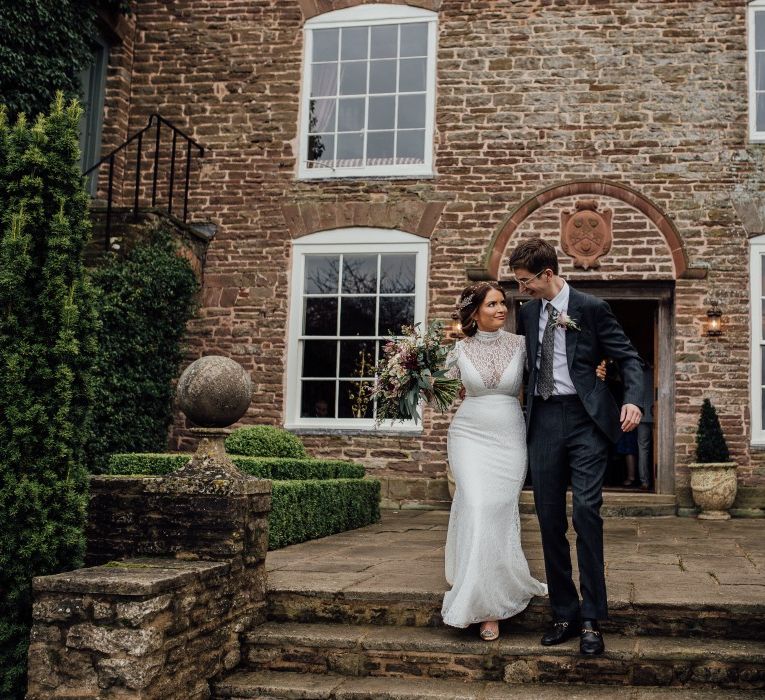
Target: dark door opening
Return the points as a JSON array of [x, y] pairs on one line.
[[644, 311]]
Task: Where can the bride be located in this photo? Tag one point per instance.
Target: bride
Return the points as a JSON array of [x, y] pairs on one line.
[[486, 446]]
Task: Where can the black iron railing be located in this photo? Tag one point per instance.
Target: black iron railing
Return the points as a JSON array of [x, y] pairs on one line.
[[156, 169]]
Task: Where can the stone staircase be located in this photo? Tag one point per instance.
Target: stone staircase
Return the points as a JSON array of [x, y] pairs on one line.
[[332, 635]]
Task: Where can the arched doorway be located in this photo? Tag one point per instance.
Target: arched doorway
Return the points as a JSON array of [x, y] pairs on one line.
[[637, 277]]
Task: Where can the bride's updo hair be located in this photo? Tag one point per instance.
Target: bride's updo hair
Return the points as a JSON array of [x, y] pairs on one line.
[[470, 301]]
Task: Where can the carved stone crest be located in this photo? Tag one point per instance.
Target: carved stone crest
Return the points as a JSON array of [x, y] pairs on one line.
[[585, 233]]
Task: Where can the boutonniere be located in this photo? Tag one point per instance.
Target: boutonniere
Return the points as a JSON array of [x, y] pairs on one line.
[[565, 321]]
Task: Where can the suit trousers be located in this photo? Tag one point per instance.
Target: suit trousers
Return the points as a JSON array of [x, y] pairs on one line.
[[565, 446]]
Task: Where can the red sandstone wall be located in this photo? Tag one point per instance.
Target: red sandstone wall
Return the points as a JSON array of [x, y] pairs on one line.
[[648, 94]]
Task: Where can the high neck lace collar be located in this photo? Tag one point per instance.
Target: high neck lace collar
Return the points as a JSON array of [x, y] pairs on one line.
[[487, 336]]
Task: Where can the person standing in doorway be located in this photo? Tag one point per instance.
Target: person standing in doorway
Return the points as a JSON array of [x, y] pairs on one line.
[[570, 418], [645, 429]]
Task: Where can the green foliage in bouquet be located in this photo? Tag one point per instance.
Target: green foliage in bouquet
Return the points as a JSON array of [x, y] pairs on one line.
[[412, 368], [47, 353], [710, 441]]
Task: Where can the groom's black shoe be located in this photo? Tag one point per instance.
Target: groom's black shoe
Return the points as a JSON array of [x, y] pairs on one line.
[[561, 631], [591, 640]]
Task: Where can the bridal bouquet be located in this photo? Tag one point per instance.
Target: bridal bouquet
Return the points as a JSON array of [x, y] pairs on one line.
[[412, 367]]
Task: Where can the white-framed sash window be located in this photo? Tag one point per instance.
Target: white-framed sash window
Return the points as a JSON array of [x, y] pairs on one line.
[[368, 103], [351, 290], [757, 304], [756, 69]]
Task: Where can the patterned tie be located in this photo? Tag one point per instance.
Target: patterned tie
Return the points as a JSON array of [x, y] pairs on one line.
[[545, 382]]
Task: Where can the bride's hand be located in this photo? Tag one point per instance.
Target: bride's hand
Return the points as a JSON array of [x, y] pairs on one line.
[[461, 393], [600, 371]]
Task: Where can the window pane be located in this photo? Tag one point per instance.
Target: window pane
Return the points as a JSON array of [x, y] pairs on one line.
[[351, 114], [321, 149], [353, 78], [411, 146], [322, 115], [397, 274], [358, 316], [380, 147], [325, 45], [411, 111], [384, 41], [414, 39], [357, 358], [350, 147], [759, 69], [317, 400], [324, 79], [382, 112], [761, 111], [382, 76], [320, 358], [320, 316], [354, 43], [394, 313], [355, 400], [759, 30], [412, 75], [321, 274], [360, 274], [762, 367]]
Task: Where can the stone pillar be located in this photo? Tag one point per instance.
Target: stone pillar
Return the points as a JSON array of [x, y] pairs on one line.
[[178, 574]]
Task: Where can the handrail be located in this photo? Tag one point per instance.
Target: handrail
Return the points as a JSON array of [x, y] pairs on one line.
[[138, 136]]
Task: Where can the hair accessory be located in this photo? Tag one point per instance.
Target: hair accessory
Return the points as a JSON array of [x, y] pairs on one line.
[[467, 301]]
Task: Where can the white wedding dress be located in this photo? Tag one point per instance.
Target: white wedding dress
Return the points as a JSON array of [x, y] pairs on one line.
[[485, 564]]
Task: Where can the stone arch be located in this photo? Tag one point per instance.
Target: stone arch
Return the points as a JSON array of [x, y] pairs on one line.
[[490, 265], [412, 216], [311, 8]]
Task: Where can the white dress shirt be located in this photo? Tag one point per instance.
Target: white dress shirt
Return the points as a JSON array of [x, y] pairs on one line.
[[561, 376]]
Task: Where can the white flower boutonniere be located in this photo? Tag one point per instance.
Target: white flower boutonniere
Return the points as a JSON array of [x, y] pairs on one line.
[[565, 321]]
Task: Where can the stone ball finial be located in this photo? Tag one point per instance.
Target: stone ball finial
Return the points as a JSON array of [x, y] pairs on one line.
[[214, 391]]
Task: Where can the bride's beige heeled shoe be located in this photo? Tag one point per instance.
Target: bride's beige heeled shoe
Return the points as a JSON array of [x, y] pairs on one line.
[[489, 634]]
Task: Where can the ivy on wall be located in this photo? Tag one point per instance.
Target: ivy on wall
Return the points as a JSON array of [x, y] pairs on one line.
[[43, 48], [144, 302]]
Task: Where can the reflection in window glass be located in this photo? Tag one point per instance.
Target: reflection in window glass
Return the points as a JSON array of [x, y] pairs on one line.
[[358, 316], [360, 274], [369, 78], [354, 301]]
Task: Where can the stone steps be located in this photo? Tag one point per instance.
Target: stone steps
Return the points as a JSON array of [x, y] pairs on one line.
[[445, 653], [306, 686], [412, 608]]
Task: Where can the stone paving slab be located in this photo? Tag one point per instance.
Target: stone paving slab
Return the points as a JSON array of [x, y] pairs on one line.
[[660, 560]]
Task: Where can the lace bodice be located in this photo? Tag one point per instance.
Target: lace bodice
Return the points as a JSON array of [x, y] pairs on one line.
[[481, 363]]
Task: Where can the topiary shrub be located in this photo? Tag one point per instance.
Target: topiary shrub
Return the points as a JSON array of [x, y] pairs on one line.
[[264, 441], [710, 441], [47, 352], [277, 468], [305, 510]]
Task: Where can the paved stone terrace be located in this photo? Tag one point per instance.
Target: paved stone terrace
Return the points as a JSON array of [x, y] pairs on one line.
[[649, 561]]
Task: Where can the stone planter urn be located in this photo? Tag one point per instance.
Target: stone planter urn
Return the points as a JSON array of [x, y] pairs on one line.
[[714, 486]]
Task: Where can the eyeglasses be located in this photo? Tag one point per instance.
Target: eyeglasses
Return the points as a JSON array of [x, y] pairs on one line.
[[525, 282]]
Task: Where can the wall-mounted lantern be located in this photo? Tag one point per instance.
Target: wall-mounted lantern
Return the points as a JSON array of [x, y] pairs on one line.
[[714, 321]]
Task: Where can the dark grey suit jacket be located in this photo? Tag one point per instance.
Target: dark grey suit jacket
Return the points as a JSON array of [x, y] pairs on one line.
[[600, 336]]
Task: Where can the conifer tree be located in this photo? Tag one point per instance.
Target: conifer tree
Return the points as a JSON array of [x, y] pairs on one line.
[[710, 441], [47, 349]]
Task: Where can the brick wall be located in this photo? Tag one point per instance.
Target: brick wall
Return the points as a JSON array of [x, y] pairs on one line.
[[530, 94]]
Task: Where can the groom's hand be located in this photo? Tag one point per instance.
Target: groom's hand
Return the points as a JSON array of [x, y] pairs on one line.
[[631, 416]]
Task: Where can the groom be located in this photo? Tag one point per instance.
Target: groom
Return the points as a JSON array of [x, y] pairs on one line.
[[570, 419]]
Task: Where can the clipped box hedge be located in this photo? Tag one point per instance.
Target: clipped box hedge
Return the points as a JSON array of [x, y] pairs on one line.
[[311, 497], [276, 468], [305, 510]]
